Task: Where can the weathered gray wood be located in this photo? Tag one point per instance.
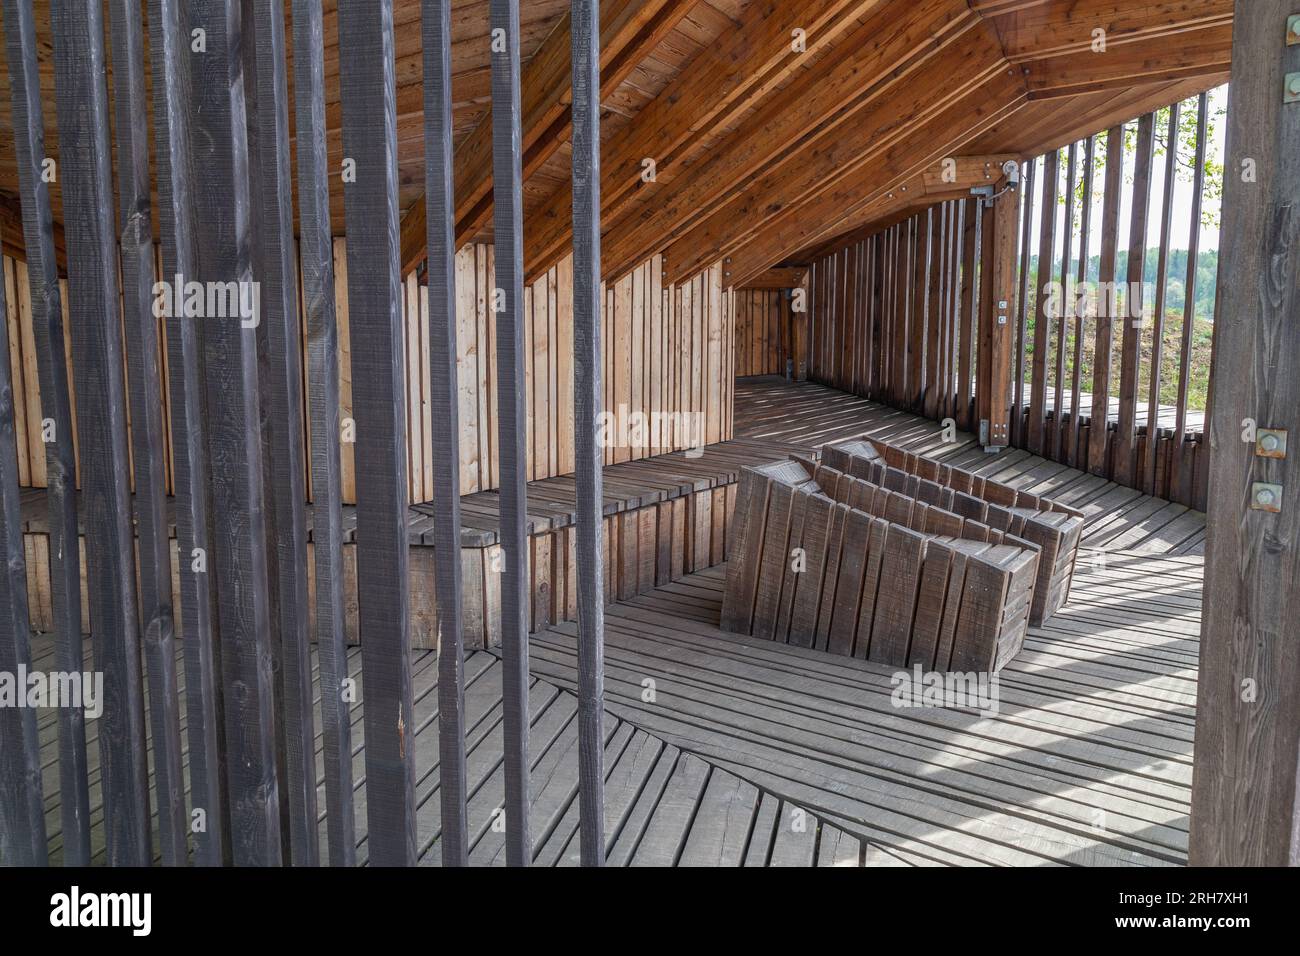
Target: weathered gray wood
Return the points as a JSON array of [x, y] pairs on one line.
[[508, 228], [316, 250], [276, 270], [22, 800], [584, 23], [368, 87], [52, 374], [1245, 805], [94, 303], [169, 44], [148, 430], [1104, 334], [439, 171]]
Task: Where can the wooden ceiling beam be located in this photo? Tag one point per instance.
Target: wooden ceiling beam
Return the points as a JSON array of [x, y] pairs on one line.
[[876, 137], [849, 201], [788, 277], [630, 29], [1059, 28], [884, 51], [716, 88], [1196, 53]]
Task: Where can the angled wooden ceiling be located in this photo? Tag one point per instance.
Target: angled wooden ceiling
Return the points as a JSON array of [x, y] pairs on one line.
[[777, 128]]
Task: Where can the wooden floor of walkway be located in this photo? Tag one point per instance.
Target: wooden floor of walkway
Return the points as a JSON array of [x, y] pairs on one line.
[[1087, 760], [663, 806]]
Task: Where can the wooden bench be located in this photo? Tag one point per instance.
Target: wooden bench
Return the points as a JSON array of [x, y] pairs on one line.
[[1052, 527], [824, 560]]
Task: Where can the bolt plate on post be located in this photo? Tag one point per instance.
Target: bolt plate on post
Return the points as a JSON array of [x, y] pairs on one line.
[[1270, 443], [1293, 30], [1292, 92], [1265, 496]]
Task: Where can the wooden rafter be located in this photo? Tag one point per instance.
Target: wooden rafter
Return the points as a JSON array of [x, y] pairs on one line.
[[630, 30]]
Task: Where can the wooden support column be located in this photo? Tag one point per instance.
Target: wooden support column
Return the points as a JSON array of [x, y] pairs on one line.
[[1001, 220], [440, 240], [1245, 804], [585, 20], [56, 407], [508, 303], [22, 800], [316, 247], [169, 47], [148, 429], [223, 247], [94, 304], [369, 93]]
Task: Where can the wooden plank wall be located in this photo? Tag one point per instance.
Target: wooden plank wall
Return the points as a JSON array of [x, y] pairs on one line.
[[670, 351], [892, 319], [896, 316], [762, 332]]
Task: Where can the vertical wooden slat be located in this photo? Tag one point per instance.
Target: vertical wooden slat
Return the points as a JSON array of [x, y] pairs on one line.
[[1104, 334], [169, 44], [969, 309], [439, 170], [1022, 308], [585, 20], [1162, 288], [1063, 320], [317, 256], [60, 462], [1073, 452], [1131, 354], [378, 390], [511, 415], [87, 178], [1193, 254], [22, 801], [147, 427], [277, 274], [223, 255], [1042, 321]]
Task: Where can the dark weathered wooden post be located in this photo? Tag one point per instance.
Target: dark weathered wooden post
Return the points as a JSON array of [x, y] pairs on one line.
[[277, 275], [1244, 786], [22, 800], [587, 394], [148, 430], [94, 304], [222, 261], [316, 246], [379, 387], [508, 302], [1124, 460], [170, 50], [441, 216], [56, 410]]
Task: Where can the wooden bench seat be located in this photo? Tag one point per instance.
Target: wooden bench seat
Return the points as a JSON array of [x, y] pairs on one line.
[[1052, 527], [825, 560]]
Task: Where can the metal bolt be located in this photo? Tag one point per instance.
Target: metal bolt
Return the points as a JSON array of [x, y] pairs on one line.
[[1265, 497], [1295, 83], [1269, 442], [1293, 30]]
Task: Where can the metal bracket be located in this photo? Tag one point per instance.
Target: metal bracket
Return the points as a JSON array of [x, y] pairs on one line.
[[1293, 30], [1266, 496], [1270, 443], [1292, 92]]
